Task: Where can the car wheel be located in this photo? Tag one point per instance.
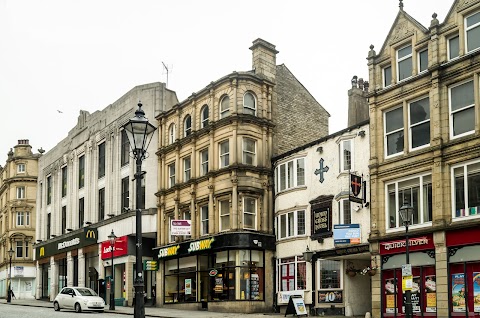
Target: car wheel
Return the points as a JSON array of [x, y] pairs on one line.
[[56, 306], [78, 308]]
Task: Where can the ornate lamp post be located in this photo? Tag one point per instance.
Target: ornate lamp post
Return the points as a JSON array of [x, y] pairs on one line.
[[139, 132], [112, 238], [406, 212], [9, 291]]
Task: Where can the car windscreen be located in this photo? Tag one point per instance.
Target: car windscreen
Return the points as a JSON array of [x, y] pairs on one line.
[[86, 292]]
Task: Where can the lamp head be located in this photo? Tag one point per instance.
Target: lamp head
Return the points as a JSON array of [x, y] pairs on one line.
[[139, 132], [112, 238], [308, 255], [406, 212], [10, 252]]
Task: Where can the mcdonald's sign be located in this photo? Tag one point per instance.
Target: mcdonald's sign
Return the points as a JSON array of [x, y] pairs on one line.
[[67, 243], [90, 234], [42, 251]]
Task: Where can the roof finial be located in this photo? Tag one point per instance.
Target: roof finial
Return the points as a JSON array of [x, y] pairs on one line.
[[401, 5]]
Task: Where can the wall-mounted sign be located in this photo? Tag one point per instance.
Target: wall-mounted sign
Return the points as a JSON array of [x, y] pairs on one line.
[[67, 243], [201, 245], [120, 249], [322, 222], [346, 234], [330, 296], [213, 272], [180, 227], [415, 244], [168, 251], [18, 271], [150, 265]]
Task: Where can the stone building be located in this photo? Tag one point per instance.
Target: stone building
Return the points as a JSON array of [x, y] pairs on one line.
[[425, 152], [215, 151], [322, 218], [18, 189], [85, 190]]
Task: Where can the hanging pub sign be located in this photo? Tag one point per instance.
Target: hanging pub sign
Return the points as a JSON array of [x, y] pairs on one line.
[[355, 188]]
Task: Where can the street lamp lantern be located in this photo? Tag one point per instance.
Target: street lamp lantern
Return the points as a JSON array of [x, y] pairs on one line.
[[308, 255], [406, 213], [139, 132], [112, 237], [9, 291]]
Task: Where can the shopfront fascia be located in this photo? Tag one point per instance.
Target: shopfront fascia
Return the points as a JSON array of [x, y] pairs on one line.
[[423, 293], [225, 267], [463, 270]]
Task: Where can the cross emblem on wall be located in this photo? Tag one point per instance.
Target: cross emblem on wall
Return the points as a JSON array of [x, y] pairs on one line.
[[321, 170]]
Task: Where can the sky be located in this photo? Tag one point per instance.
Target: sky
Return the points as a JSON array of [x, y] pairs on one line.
[[60, 57]]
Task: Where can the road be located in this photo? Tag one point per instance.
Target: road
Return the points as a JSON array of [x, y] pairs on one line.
[[10, 311]]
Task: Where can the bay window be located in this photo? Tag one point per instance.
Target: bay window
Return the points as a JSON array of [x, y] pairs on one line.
[[249, 213], [290, 174], [291, 224]]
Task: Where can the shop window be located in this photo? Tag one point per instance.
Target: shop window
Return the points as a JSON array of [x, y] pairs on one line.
[[64, 181], [417, 192], [387, 76], [291, 224], [252, 280], [225, 107], [292, 274], [204, 116], [466, 190], [249, 213], [473, 31], [249, 104], [393, 132], [462, 109], [453, 47], [187, 169], [346, 155], [423, 61], [330, 274], [187, 126], [204, 220], [290, 174], [224, 207], [419, 121]]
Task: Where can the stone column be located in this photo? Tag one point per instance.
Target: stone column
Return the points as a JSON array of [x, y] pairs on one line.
[[39, 277], [69, 269], [81, 268], [53, 278], [441, 269]]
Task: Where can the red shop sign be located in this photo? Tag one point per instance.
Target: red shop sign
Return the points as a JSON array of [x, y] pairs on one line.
[[121, 248], [418, 243], [463, 237]]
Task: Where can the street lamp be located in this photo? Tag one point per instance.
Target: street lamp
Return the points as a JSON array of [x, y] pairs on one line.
[[112, 238], [139, 132], [406, 212], [9, 292]]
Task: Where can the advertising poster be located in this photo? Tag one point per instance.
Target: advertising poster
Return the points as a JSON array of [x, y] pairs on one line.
[[431, 293], [414, 294], [390, 284], [458, 292], [476, 292], [188, 286]]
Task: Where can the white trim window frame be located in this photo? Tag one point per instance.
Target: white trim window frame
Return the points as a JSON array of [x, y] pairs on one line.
[[249, 104], [249, 151], [21, 218], [422, 60], [291, 274], [404, 62], [203, 162], [19, 252], [345, 211], [21, 192], [414, 190], [461, 103], [21, 167], [387, 76], [394, 132], [291, 224], [225, 107], [224, 213], [187, 126], [346, 155], [472, 32], [290, 174], [171, 175], [224, 153], [204, 220], [204, 115], [453, 47], [465, 203], [419, 123], [250, 208], [171, 134], [187, 169]]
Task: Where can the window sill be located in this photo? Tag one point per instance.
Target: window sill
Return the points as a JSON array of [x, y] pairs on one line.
[[466, 217], [411, 227], [299, 188]]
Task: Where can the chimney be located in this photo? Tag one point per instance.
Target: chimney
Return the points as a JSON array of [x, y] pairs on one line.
[[22, 148], [357, 102], [264, 59]]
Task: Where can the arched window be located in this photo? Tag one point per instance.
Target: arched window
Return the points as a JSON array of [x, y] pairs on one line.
[[187, 126], [225, 107], [204, 116], [171, 134], [249, 104]]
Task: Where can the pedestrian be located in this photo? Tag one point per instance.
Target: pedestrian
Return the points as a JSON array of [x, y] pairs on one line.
[[12, 295], [154, 296]]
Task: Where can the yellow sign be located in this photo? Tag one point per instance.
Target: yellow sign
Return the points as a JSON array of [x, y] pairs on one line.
[[168, 251], [407, 282], [90, 234], [431, 300], [42, 251], [390, 301]]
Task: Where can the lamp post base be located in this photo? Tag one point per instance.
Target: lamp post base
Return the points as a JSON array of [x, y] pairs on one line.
[[139, 309], [112, 302]]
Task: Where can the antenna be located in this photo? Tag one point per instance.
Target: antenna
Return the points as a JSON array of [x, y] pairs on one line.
[[166, 68]]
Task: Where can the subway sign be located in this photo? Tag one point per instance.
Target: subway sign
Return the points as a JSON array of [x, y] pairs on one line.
[[168, 251], [87, 237], [201, 245]]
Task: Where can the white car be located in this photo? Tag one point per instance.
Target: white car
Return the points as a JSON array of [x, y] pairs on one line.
[[78, 298]]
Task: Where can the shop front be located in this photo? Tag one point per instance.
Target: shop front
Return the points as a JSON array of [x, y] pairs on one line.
[[226, 272], [65, 261], [423, 293], [464, 272]]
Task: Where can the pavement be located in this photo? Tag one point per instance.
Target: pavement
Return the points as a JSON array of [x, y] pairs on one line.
[[149, 311]]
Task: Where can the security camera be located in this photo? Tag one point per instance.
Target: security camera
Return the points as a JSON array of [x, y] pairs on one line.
[[357, 208]]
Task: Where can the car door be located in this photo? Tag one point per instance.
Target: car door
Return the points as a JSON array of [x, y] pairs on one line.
[[68, 299]]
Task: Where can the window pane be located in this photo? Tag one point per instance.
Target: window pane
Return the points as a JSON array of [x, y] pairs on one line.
[[392, 211], [423, 57], [347, 213], [283, 177], [421, 135], [404, 51], [395, 143], [387, 76], [405, 69], [462, 96], [290, 174], [464, 121], [473, 19], [283, 226], [329, 274], [420, 111], [427, 201], [249, 104], [300, 172], [301, 276], [301, 222], [347, 155], [473, 39], [291, 224], [453, 47], [394, 120], [473, 182], [224, 107]]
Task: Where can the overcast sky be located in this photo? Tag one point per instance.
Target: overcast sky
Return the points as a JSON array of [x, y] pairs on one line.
[[72, 55]]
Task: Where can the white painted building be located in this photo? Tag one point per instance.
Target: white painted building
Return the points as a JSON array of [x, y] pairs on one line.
[[315, 204], [86, 189]]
